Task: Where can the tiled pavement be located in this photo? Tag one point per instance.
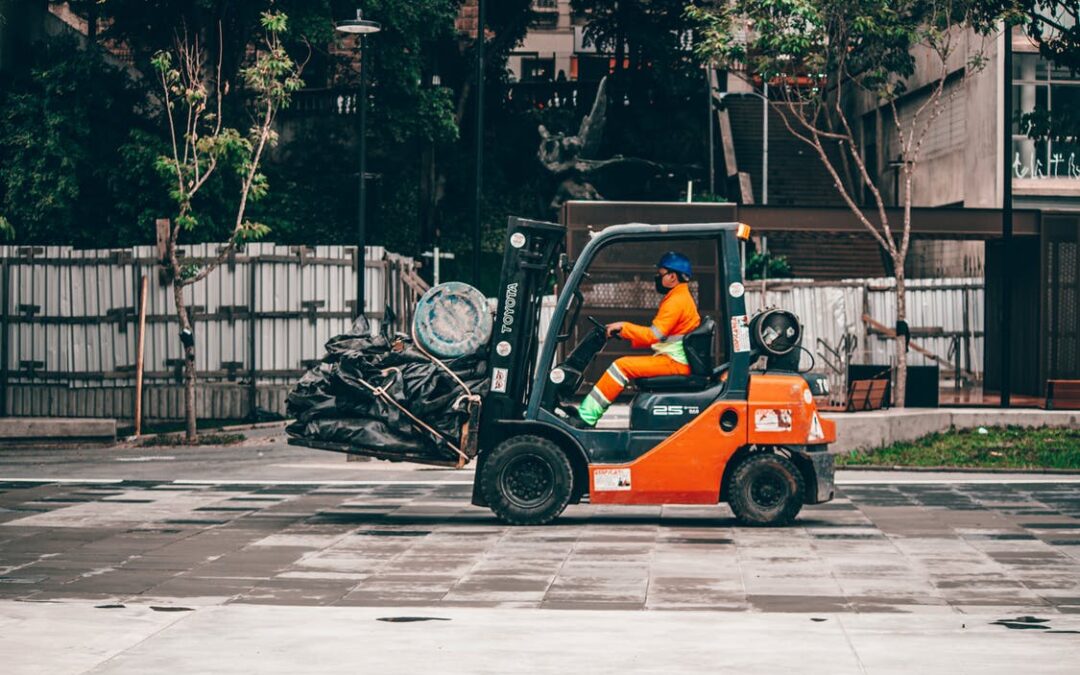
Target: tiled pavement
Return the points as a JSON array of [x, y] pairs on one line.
[[877, 548]]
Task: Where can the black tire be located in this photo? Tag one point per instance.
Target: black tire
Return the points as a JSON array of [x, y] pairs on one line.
[[766, 490], [527, 480]]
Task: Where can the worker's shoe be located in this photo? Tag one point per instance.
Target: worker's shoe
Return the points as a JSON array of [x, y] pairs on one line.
[[569, 414], [578, 423], [590, 411]]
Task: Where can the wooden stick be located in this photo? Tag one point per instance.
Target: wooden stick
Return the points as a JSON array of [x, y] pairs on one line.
[[139, 358], [884, 330]]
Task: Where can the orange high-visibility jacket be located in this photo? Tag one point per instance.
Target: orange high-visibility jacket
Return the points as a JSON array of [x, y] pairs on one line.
[[677, 316]]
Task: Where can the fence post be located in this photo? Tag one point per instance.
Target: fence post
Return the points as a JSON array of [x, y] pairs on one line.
[[4, 341], [253, 391]]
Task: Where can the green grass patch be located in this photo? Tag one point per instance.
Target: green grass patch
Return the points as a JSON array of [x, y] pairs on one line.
[[173, 440], [991, 448]]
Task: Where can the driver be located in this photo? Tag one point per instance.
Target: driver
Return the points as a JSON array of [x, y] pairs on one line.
[[677, 316]]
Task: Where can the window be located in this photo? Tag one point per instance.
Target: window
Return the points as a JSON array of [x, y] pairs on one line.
[[535, 69], [1040, 87]]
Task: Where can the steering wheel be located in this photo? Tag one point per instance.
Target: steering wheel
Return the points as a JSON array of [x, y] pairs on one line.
[[599, 326]]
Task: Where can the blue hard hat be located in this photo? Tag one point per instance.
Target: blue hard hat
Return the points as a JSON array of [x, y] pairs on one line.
[[675, 262]]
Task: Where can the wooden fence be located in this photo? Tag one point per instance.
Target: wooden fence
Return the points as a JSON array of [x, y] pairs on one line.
[[69, 324]]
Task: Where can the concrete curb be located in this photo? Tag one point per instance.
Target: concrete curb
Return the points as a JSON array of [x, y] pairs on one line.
[[956, 469], [878, 428], [20, 431]]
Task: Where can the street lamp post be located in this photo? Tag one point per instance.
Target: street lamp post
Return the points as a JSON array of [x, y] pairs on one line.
[[478, 214], [360, 27], [1006, 220]]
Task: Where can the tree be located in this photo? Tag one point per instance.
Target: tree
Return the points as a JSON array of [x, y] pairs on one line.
[[202, 144], [819, 55]]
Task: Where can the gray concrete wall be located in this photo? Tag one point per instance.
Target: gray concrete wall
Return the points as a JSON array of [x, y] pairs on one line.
[[967, 172]]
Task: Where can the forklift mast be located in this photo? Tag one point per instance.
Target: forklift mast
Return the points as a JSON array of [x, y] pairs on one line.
[[531, 252]]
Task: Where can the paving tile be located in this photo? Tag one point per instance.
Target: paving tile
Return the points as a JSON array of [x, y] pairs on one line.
[[875, 549]]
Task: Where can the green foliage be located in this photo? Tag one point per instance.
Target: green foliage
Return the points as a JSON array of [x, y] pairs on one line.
[[201, 143], [994, 447], [177, 440], [865, 43], [776, 266], [67, 175], [651, 34], [107, 183]]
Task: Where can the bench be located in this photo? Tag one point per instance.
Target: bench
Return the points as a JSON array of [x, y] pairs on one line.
[[867, 395], [1063, 394]]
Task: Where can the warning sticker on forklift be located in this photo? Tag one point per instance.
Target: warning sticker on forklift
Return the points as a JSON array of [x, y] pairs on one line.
[[608, 480], [740, 334], [772, 419], [498, 380], [816, 432]]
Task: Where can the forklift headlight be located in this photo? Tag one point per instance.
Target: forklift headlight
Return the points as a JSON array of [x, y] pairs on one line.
[[743, 232]]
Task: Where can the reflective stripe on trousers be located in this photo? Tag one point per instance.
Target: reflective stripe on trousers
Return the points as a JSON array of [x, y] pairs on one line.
[[619, 374]]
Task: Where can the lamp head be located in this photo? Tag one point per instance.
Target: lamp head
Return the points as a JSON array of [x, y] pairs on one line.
[[358, 26]]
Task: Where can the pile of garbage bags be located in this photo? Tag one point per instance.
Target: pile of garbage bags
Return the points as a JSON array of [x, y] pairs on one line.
[[337, 404]]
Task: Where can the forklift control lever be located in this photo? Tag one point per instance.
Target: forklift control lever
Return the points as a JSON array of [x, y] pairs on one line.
[[600, 326]]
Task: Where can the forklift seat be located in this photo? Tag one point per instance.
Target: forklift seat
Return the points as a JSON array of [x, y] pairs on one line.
[[698, 345]]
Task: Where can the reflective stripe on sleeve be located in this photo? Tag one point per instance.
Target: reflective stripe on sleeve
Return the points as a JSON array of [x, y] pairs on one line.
[[657, 332]]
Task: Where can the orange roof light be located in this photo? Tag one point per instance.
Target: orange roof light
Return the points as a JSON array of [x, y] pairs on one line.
[[743, 232]]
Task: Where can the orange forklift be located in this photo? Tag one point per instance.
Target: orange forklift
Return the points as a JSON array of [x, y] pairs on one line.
[[745, 432]]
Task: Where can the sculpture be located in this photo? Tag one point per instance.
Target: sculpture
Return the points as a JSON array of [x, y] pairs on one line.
[[573, 160]]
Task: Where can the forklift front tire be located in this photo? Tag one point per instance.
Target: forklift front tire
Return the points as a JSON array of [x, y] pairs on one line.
[[766, 489], [527, 480]]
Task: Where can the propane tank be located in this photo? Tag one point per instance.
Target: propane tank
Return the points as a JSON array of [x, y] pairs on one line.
[[452, 319], [776, 334]]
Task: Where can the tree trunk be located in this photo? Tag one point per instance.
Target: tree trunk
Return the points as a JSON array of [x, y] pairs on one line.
[[900, 390], [190, 427]]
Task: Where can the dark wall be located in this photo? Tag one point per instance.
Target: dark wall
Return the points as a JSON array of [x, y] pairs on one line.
[[1061, 296], [1022, 256]]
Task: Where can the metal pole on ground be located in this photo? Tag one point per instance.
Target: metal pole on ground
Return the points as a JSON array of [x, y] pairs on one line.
[[710, 123], [765, 146], [479, 139], [1006, 223], [361, 216], [139, 356], [360, 27]]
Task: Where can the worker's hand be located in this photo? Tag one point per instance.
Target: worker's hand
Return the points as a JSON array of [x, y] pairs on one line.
[[614, 328]]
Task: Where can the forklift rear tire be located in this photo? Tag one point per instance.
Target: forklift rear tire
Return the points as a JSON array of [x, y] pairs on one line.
[[766, 489], [527, 480]]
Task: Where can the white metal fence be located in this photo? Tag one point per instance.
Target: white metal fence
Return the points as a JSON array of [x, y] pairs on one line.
[[69, 324], [945, 317]]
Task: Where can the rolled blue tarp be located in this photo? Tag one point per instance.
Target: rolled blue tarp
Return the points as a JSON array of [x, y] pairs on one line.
[[452, 320]]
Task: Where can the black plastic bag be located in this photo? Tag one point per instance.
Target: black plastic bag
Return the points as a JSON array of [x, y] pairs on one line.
[[332, 406]]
